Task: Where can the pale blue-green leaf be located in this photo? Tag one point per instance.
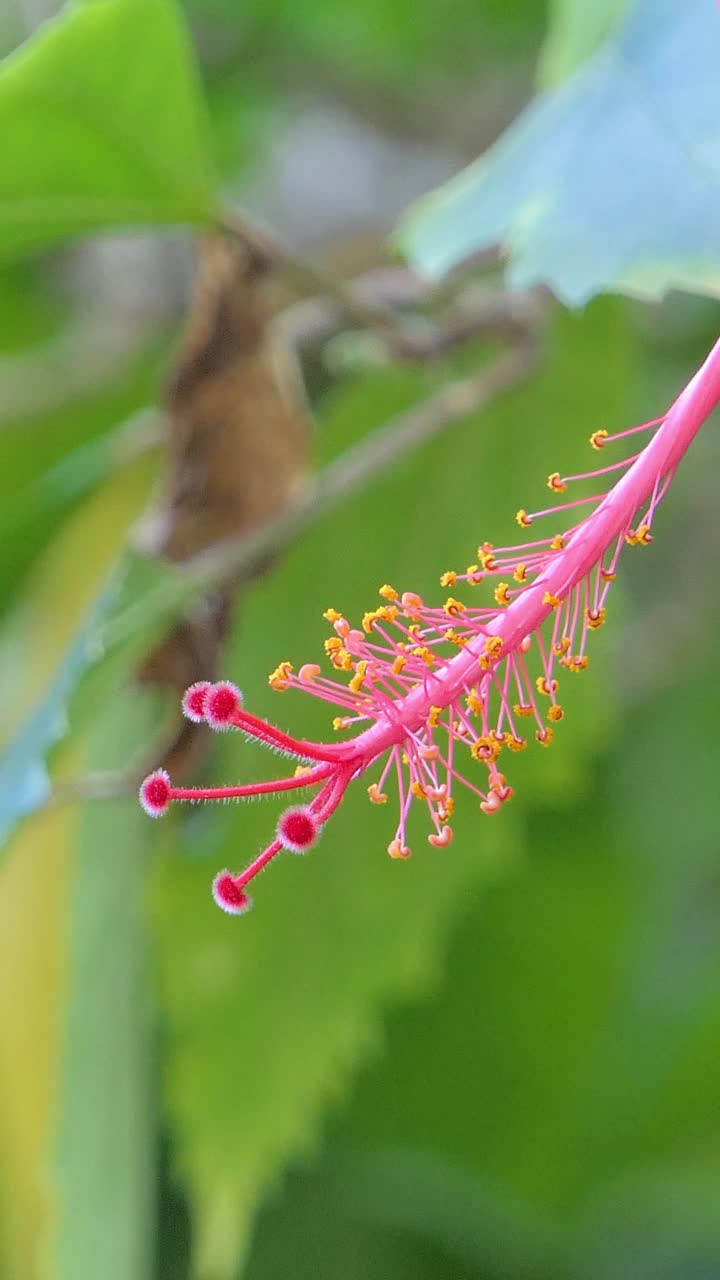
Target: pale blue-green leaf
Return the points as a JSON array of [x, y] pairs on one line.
[[610, 182], [24, 778], [575, 32], [51, 634]]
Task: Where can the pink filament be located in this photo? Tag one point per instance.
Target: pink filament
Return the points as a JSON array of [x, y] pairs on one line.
[[406, 703]]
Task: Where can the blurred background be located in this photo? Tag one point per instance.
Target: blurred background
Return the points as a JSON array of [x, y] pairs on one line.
[[497, 1062]]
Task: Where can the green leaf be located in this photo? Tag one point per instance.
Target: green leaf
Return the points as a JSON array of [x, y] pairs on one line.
[[609, 182], [103, 1162], [268, 1017], [103, 124], [77, 1074], [55, 459], [659, 1223], [570, 1059], [576, 31], [35, 880], [413, 1214]]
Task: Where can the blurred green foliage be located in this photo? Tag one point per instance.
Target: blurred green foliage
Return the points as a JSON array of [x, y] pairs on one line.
[[89, 140], [504, 1067]]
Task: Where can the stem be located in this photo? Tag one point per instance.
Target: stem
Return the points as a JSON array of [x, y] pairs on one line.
[[347, 475], [608, 522]]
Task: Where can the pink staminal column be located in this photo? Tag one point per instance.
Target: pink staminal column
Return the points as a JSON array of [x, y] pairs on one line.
[[433, 694]]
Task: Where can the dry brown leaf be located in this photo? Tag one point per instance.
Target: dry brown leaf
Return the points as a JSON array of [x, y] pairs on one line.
[[238, 450]]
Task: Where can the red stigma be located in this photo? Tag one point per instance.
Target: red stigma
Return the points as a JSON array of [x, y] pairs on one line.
[[220, 704], [155, 793], [229, 895], [193, 703], [298, 829]]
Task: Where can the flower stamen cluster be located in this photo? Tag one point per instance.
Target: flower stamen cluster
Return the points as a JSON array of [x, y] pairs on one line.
[[440, 696]]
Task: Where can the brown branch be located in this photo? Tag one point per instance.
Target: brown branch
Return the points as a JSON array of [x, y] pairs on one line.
[[348, 474], [470, 312], [329, 489], [309, 278]]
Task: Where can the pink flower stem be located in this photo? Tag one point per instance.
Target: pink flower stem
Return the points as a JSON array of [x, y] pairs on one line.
[[611, 519]]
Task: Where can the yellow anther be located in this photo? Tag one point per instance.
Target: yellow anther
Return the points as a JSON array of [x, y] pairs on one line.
[[358, 679], [598, 439], [341, 722], [449, 578], [556, 482], [523, 709], [453, 608], [607, 576], [544, 686], [376, 795], [417, 790], [522, 518], [561, 648], [427, 655], [332, 615], [433, 717], [493, 645], [446, 809], [544, 736], [486, 556], [558, 543], [455, 638], [384, 613], [577, 663], [486, 748], [640, 537], [498, 781], [301, 770], [279, 679], [555, 712], [398, 664], [595, 618], [499, 786], [388, 592], [332, 645], [513, 743], [502, 593], [411, 602], [473, 703], [553, 601], [474, 575], [398, 850], [520, 574], [341, 660]]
